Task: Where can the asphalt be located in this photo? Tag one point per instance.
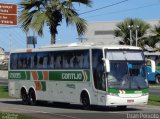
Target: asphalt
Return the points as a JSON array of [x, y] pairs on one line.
[[154, 90], [62, 111]]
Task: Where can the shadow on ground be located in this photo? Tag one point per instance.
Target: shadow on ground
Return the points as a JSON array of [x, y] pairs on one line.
[[72, 106]]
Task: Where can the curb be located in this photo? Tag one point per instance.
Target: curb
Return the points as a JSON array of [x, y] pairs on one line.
[[153, 106], [154, 86]]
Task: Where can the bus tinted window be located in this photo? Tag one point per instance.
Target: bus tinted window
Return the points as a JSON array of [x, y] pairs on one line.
[[42, 60], [13, 61], [78, 59]]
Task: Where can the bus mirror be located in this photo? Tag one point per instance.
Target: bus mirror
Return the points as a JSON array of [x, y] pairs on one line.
[[153, 65], [106, 65]]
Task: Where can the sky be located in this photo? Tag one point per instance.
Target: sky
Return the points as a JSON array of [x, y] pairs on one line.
[[101, 10]]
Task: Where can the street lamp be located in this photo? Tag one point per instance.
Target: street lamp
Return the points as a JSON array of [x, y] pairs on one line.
[[130, 30], [137, 27]]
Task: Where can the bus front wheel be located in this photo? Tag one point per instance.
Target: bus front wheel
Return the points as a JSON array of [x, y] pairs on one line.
[[32, 97], [85, 101], [157, 79]]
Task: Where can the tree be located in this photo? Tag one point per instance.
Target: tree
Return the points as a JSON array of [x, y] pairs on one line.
[[123, 31], [154, 38], [36, 13]]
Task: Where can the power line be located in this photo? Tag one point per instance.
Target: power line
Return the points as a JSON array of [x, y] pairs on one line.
[[104, 7], [125, 10], [7, 26]]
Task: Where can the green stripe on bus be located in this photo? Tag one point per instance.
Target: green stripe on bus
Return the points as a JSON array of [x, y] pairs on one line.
[[117, 91], [79, 75], [112, 90], [20, 75], [28, 75], [43, 84], [40, 75]]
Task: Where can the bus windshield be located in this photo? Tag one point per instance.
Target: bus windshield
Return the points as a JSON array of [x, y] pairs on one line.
[[126, 73]]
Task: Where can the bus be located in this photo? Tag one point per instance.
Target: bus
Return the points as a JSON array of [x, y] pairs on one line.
[[85, 74], [155, 58]]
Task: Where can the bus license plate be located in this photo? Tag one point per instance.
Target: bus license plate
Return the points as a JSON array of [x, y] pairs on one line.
[[130, 101]]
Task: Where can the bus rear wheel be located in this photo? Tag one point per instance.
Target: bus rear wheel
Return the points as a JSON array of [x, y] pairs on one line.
[[24, 97], [32, 97], [157, 79]]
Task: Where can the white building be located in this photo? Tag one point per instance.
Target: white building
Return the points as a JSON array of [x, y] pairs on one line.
[[103, 32], [2, 54]]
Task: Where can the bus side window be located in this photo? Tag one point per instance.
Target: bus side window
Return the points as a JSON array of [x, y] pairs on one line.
[[80, 59], [65, 60], [14, 60], [24, 63], [28, 61], [72, 60], [86, 60], [32, 62], [58, 61], [51, 64], [45, 60], [20, 61]]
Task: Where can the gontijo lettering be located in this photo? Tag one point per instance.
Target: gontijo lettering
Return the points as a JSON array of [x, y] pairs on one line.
[[76, 76]]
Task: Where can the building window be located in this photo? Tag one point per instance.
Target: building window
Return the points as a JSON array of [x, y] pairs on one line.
[[109, 32]]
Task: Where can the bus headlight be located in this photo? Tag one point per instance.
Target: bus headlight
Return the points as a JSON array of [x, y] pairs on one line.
[[113, 94]]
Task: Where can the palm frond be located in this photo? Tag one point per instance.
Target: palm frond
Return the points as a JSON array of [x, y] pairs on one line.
[[85, 2], [123, 30], [26, 19], [38, 24], [35, 13], [27, 5]]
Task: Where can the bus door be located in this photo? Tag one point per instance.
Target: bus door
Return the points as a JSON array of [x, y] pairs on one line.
[[99, 76]]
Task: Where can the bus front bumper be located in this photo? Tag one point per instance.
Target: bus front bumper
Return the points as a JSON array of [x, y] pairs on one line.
[[126, 100]]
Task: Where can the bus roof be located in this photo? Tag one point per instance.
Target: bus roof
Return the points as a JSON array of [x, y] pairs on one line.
[[76, 46]]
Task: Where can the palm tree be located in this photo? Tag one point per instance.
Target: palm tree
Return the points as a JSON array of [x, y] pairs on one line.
[[123, 31], [154, 38], [36, 13]]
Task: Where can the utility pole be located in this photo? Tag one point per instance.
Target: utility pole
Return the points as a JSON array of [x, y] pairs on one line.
[[10, 42], [27, 40], [137, 27], [34, 39], [130, 31]]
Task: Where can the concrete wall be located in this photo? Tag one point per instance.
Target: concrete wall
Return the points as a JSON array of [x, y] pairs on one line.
[[4, 74]]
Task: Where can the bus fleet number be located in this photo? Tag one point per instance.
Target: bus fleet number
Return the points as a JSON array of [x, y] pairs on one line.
[[15, 75]]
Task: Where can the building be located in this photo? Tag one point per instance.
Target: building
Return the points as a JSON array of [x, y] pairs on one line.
[[2, 55], [103, 32]]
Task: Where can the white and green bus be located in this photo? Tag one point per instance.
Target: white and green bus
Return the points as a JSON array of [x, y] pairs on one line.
[[79, 74]]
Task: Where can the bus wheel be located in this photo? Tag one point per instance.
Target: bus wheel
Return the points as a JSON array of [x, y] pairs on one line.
[[24, 97], [157, 79], [85, 101], [32, 97], [122, 107]]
